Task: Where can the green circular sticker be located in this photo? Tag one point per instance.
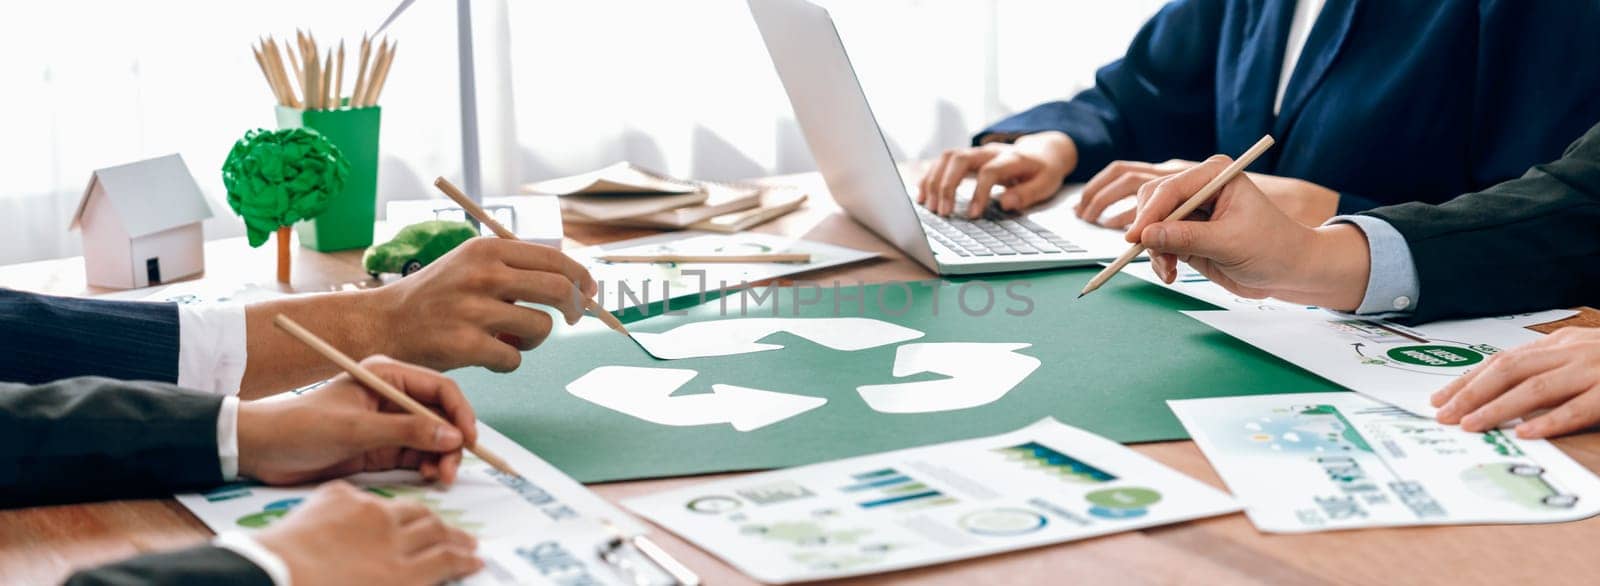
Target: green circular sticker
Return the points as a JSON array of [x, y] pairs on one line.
[[1435, 355], [713, 505], [1124, 498], [1002, 522]]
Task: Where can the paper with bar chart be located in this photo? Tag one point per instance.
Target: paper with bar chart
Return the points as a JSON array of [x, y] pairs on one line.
[[540, 528], [1324, 461], [1046, 483]]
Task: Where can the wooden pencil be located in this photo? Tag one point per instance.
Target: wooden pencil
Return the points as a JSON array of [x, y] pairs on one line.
[[1195, 201], [359, 92], [279, 72], [376, 383], [380, 73], [714, 258], [473, 209], [372, 71], [327, 81], [313, 78], [338, 79], [290, 71]]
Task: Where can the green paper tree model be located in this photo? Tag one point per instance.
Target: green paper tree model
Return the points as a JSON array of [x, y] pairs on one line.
[[278, 177]]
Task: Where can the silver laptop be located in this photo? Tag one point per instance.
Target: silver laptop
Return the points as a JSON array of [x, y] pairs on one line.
[[855, 161]]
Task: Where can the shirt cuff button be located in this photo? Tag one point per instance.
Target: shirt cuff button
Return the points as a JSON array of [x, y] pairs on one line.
[[1402, 302]]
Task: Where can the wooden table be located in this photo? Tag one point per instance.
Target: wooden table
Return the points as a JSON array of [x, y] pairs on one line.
[[44, 544]]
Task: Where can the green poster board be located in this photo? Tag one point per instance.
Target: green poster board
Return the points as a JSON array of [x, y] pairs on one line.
[[1109, 362]]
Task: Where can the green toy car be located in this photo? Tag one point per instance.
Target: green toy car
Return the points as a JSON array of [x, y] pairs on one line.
[[416, 246]]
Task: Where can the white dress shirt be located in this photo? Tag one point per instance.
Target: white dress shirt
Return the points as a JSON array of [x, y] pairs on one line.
[[211, 357]]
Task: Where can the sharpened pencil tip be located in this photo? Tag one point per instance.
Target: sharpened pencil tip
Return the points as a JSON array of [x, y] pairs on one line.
[[1080, 295]]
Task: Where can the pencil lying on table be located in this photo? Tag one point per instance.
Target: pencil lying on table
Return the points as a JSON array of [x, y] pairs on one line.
[[376, 383], [1195, 201], [776, 257], [473, 209]]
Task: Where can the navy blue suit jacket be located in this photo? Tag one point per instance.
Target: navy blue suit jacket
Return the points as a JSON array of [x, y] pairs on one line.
[[1392, 100], [44, 338]]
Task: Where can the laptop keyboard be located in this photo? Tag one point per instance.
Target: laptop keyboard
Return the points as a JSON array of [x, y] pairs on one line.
[[995, 234]]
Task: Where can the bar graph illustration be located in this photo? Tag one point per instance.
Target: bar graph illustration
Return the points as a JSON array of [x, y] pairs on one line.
[[888, 488], [1046, 459]]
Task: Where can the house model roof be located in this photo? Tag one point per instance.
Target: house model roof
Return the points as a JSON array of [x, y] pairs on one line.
[[149, 196]]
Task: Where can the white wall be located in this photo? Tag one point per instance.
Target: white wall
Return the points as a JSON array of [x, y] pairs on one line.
[[564, 87]]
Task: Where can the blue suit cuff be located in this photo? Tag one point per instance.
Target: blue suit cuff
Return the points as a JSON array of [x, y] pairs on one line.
[[1393, 288]]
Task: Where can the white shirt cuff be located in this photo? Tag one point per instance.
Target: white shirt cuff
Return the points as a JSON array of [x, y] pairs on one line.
[[1392, 284], [211, 347], [228, 438], [258, 554]]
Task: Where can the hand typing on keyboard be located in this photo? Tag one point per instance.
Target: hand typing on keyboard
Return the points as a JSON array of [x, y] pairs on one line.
[[997, 233]]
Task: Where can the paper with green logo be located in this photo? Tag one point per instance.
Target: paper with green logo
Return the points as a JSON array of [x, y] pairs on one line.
[[1399, 365], [857, 370], [1324, 461], [1046, 483]]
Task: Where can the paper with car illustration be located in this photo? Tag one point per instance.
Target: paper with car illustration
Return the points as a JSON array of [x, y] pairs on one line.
[[540, 528], [1043, 484], [1396, 364], [1324, 461]]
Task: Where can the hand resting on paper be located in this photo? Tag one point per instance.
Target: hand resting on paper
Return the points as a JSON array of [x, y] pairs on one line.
[[1560, 372], [345, 428], [343, 535], [1243, 242]]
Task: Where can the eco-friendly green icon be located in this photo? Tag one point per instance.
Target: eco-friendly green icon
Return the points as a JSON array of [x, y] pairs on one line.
[[1132, 497], [1435, 355]]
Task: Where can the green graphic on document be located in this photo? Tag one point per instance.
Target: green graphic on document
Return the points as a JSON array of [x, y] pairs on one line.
[[1122, 503], [227, 492], [1002, 522], [1043, 458], [1305, 429], [822, 548], [888, 488], [805, 533], [776, 492], [1523, 484], [271, 512], [1435, 355], [714, 505], [1416, 351], [277, 509]]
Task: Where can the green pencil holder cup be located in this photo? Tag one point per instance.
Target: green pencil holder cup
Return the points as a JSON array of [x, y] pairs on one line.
[[347, 223]]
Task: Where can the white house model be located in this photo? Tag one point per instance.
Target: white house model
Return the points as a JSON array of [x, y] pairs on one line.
[[141, 224]]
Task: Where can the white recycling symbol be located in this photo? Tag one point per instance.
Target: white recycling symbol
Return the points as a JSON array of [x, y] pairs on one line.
[[979, 372]]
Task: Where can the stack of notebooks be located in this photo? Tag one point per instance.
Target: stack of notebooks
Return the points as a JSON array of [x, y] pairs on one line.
[[625, 194]]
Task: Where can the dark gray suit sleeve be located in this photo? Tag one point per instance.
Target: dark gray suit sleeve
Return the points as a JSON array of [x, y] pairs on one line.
[[199, 566], [93, 438], [1528, 244], [44, 338]]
